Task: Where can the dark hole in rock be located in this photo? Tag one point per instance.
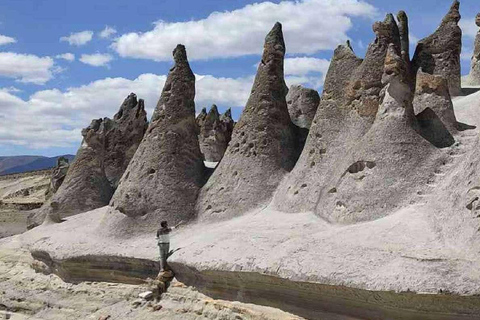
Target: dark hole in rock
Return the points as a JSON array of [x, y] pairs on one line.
[[470, 204], [151, 171], [432, 129], [333, 190], [360, 166]]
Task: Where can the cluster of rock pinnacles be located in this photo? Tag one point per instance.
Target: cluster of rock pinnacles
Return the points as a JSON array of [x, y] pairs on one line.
[[290, 146]]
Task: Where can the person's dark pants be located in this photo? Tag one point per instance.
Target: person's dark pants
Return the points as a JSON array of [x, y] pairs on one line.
[[164, 249]]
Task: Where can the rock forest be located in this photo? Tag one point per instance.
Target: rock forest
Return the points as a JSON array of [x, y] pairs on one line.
[[362, 202]]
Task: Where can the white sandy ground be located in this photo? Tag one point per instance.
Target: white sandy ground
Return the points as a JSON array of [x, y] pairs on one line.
[[425, 247]]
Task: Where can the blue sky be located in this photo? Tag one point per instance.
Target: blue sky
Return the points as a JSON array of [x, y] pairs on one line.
[[63, 63]]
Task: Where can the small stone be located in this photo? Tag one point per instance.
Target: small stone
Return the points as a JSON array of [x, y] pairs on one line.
[[147, 295], [157, 307]]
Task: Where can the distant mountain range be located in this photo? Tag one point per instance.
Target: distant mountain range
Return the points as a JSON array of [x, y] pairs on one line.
[[19, 164]]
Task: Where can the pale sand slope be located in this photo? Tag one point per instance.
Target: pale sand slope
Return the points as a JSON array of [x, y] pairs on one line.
[[431, 245], [28, 295]]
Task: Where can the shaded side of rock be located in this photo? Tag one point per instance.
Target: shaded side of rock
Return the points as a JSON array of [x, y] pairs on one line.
[[439, 53], [302, 105], [167, 171], [123, 136], [432, 92], [263, 147], [58, 176], [229, 123]]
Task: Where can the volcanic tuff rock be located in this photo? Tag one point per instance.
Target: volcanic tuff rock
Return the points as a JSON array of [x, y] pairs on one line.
[[475, 67], [264, 143], [107, 147], [347, 109], [58, 175], [201, 117], [439, 53], [302, 105], [123, 137], [229, 123], [163, 179], [86, 186], [214, 134], [432, 92]]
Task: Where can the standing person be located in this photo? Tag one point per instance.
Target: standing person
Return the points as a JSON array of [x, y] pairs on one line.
[[163, 241]]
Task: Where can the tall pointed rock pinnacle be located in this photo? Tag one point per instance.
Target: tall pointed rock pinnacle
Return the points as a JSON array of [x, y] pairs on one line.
[[439, 53], [264, 143], [163, 179], [474, 77], [404, 35]]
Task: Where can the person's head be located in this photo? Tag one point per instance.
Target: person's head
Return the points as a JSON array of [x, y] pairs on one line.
[[164, 224]]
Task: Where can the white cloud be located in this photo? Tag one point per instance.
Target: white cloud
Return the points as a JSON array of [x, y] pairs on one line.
[[107, 32], [26, 67], [468, 26], [6, 40], [304, 65], [79, 38], [66, 56], [308, 25], [96, 59], [54, 118]]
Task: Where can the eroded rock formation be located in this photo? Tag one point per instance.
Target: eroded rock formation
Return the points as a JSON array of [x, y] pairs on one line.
[[163, 179], [474, 78], [302, 105], [58, 175], [432, 92], [229, 123], [215, 133], [439, 53], [123, 136], [347, 109], [106, 149], [264, 143]]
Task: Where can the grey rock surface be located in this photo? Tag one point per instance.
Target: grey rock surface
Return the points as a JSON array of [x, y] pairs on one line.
[[86, 186], [439, 53], [107, 147], [264, 144], [167, 171], [229, 123], [348, 106], [201, 117], [302, 105], [123, 136], [474, 77], [58, 175], [213, 136], [432, 92]]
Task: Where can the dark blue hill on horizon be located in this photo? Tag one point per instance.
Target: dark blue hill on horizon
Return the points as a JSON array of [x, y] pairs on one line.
[[19, 164]]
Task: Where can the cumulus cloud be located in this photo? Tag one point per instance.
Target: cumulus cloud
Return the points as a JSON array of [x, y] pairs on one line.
[[79, 38], [323, 25], [469, 28], [26, 67], [6, 40], [66, 56], [96, 59], [54, 118], [107, 32]]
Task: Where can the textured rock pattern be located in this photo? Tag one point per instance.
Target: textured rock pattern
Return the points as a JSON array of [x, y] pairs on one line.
[[214, 135], [264, 143], [123, 136], [302, 105], [163, 179], [475, 67], [432, 92], [58, 175], [347, 109], [229, 124], [439, 53], [86, 186]]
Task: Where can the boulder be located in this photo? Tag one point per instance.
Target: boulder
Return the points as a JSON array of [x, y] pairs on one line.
[[439, 53], [432, 92], [264, 146], [166, 173], [58, 175], [302, 105]]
